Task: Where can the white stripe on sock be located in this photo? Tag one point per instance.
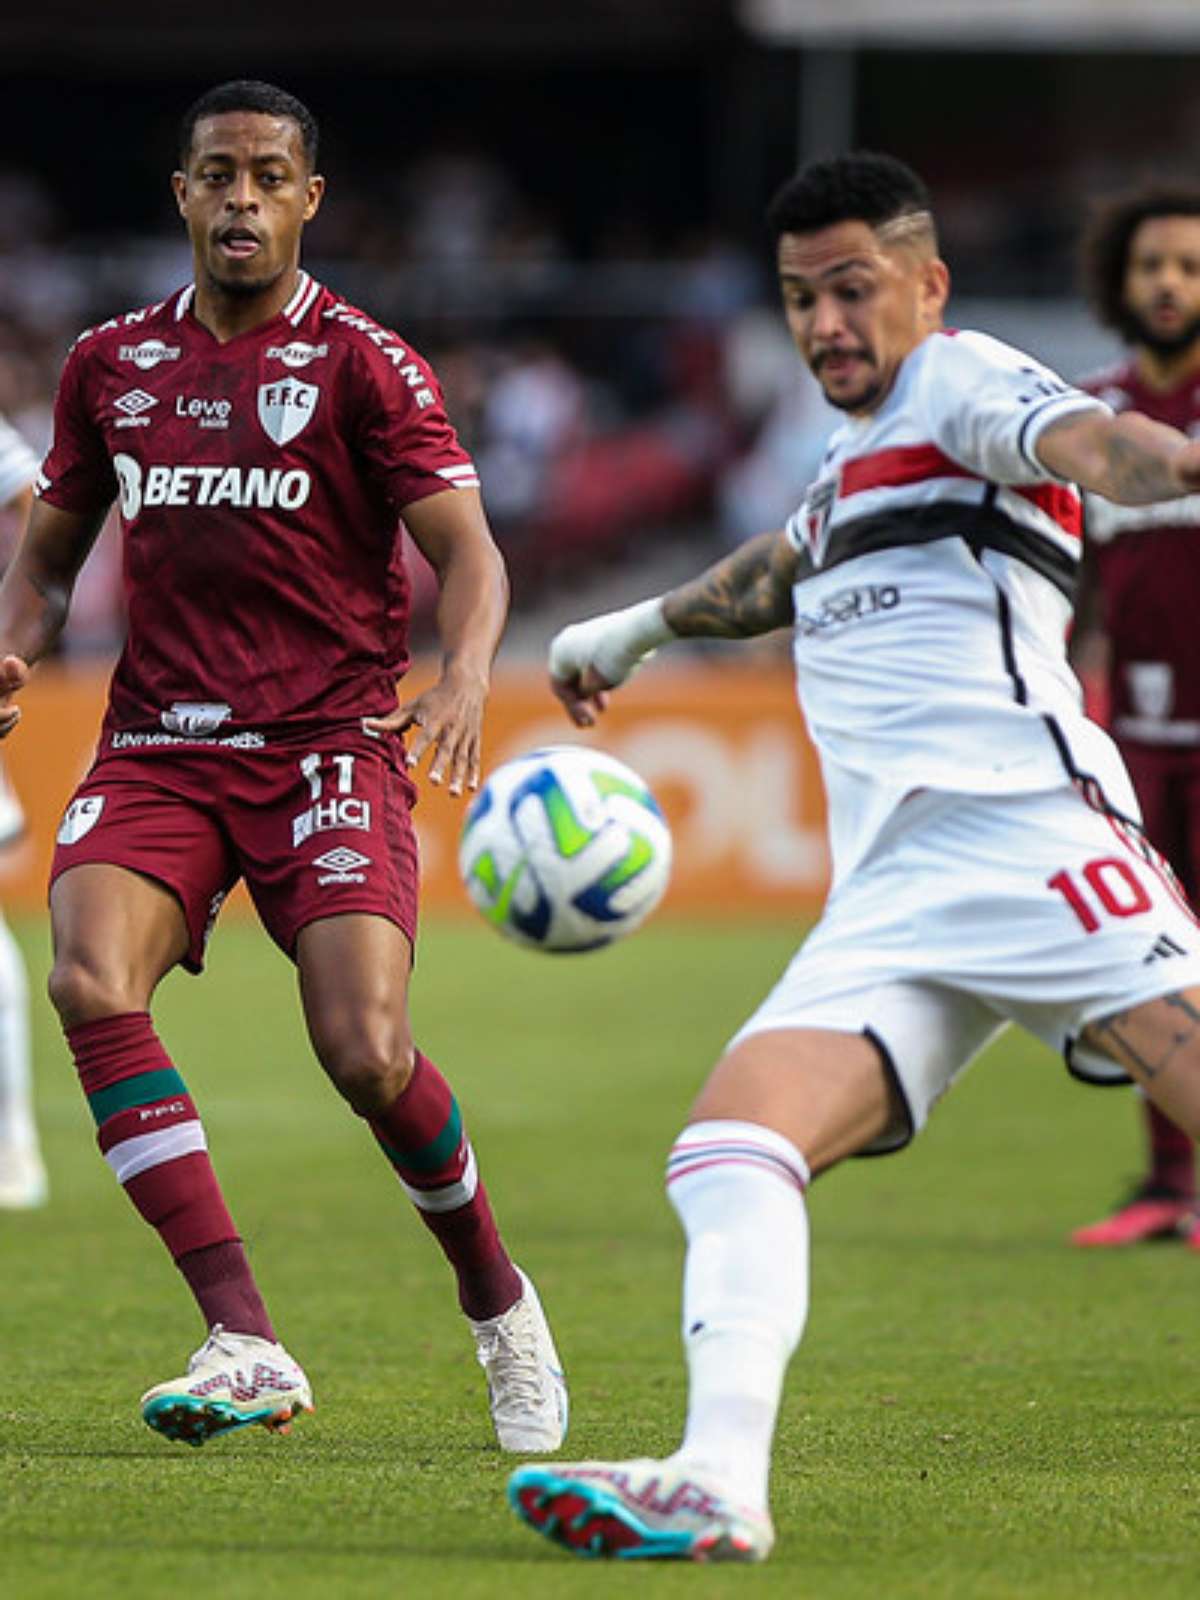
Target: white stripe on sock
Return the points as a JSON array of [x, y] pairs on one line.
[[148, 1150], [453, 1195]]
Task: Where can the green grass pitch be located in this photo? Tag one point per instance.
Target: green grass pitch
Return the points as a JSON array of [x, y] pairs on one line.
[[977, 1410]]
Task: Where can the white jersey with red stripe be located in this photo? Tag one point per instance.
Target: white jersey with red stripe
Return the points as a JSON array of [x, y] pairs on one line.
[[938, 561]]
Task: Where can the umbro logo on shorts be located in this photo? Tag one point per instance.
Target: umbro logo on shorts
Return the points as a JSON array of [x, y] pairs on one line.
[[341, 865]]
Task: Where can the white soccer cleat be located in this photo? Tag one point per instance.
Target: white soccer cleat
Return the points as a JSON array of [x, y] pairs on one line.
[[234, 1379], [23, 1184], [524, 1375], [638, 1510]]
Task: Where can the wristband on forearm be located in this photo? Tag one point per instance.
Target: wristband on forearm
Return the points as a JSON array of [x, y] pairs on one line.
[[611, 645]]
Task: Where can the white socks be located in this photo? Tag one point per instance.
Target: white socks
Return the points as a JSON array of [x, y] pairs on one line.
[[739, 1191], [16, 1103]]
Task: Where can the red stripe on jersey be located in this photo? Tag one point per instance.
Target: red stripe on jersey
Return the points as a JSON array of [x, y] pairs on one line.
[[901, 465], [918, 463], [1057, 501], [1139, 845]]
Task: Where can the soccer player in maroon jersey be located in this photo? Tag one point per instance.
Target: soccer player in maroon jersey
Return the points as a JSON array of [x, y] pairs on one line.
[[264, 440], [1141, 598]]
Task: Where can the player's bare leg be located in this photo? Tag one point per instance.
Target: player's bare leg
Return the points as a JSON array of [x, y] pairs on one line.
[[779, 1106], [828, 1093], [1158, 1044], [116, 933], [354, 972]]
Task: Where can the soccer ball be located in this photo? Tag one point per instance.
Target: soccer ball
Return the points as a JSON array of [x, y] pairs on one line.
[[565, 849]]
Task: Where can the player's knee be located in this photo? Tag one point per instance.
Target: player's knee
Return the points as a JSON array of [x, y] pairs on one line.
[[81, 991], [369, 1062]]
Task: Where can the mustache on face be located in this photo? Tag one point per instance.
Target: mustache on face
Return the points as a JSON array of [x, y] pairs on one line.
[[821, 357]]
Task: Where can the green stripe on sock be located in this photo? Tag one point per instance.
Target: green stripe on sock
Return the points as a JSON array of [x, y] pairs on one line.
[[141, 1090], [429, 1157]]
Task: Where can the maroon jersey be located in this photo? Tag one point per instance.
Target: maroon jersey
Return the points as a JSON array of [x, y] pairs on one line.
[[1148, 564], [261, 484]]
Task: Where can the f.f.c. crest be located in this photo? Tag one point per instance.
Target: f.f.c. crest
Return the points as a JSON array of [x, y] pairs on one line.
[[285, 407]]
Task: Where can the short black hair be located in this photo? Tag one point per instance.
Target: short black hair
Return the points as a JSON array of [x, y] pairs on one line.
[[862, 186], [249, 94], [1109, 235]]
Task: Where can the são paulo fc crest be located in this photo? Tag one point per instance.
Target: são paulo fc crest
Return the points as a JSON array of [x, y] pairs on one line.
[[285, 407], [814, 517]]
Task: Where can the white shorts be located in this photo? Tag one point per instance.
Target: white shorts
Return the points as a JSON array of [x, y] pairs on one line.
[[973, 911]]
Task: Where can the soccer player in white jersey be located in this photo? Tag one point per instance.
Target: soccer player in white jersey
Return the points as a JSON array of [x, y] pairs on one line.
[[988, 864], [22, 1172]]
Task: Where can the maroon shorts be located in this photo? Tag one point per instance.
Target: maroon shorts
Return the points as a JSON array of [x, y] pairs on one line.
[[317, 827], [1167, 782]]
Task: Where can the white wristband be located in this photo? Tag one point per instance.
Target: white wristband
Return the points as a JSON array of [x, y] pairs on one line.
[[612, 645]]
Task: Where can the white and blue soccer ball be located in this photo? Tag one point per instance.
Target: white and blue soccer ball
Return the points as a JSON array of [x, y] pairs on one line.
[[565, 849]]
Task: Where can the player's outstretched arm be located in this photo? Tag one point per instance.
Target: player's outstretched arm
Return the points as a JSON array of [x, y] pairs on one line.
[[747, 593], [35, 595], [1128, 458], [452, 533]]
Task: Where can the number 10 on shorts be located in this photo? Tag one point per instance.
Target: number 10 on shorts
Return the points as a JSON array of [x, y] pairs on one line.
[[1107, 885]]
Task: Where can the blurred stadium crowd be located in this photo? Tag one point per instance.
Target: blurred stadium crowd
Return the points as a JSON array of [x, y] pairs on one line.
[[625, 391], [649, 387]]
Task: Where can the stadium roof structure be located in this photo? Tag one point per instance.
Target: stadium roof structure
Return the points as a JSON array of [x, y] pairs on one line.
[[975, 24], [145, 33]]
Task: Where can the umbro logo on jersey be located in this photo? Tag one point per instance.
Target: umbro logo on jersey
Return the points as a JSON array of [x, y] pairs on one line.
[[132, 404], [285, 408], [135, 401], [149, 353], [296, 354], [1162, 949]]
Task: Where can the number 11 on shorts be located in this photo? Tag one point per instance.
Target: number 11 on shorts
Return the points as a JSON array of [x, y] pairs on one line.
[[310, 768], [1108, 885]]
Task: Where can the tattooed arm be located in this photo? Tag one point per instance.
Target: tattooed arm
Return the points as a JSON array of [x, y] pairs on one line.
[[1128, 458], [748, 593]]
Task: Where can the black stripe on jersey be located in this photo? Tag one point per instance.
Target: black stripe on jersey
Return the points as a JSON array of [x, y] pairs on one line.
[[1131, 834], [1008, 645], [1088, 785], [1009, 648], [897, 1137], [1032, 415], [982, 526]]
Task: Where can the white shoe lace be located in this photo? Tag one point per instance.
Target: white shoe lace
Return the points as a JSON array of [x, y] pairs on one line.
[[508, 1352], [218, 1343]]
